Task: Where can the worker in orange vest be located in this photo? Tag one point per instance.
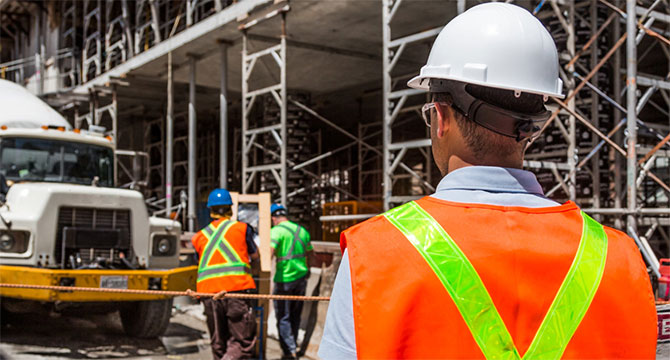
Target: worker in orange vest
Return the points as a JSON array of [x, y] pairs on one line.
[[225, 250], [487, 266]]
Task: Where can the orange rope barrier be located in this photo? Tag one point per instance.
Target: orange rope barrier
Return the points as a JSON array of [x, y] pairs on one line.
[[168, 293]]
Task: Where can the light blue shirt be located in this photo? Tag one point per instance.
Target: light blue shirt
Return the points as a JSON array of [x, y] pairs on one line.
[[472, 184]]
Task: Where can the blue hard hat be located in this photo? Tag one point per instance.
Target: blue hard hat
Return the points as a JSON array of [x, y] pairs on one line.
[[219, 197], [276, 207]]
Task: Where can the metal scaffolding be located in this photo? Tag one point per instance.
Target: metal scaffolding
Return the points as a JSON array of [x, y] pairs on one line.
[[588, 105], [567, 155], [250, 167], [605, 146], [394, 100]]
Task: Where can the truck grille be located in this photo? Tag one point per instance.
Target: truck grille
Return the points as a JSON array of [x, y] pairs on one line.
[[92, 220]]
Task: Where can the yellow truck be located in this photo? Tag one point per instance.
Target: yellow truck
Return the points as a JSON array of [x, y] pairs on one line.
[[63, 223]]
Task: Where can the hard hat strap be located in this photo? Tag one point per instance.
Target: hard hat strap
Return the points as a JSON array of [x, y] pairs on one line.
[[501, 121]]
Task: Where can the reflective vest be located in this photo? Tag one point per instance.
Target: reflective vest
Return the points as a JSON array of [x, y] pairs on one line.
[[223, 261], [291, 254], [436, 279]]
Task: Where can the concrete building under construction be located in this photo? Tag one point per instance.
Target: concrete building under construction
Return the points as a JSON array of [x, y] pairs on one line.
[[308, 100]]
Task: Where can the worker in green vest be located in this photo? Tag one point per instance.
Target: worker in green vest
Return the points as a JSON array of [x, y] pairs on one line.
[[292, 249]]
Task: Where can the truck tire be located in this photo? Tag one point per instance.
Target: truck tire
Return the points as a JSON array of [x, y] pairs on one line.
[[146, 319]]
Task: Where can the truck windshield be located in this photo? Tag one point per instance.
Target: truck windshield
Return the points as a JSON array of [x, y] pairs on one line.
[[26, 159]]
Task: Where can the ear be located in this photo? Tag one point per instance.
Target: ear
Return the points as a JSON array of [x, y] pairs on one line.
[[443, 119]]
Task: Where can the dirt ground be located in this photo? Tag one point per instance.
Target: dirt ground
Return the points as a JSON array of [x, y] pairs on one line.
[[100, 336]]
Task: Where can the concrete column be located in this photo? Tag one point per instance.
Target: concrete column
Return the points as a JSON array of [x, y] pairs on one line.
[[191, 145], [223, 115], [169, 137]]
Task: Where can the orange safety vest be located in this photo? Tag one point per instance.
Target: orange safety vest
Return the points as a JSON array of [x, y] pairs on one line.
[[522, 255], [223, 258]]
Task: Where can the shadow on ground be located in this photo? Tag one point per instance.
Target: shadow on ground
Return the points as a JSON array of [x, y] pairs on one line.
[[87, 336]]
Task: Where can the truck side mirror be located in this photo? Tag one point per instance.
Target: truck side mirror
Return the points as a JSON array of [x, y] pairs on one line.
[[4, 188]]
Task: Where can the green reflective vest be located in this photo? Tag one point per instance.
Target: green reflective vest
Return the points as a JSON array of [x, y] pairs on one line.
[[461, 281], [291, 243]]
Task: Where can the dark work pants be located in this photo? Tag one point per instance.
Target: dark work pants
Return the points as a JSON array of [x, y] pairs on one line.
[[288, 314], [232, 328]]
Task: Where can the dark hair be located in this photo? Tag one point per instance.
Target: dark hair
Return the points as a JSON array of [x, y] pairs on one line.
[[481, 140], [223, 210]]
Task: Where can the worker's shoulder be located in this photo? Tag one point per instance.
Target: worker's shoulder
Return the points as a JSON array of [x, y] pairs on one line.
[[238, 227], [285, 226], [618, 238], [616, 233], [196, 236], [282, 230], [621, 248], [376, 223]]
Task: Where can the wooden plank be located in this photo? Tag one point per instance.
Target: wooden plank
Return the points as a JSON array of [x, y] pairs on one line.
[[264, 223]]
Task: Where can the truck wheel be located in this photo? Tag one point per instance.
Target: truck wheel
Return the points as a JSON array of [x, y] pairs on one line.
[[146, 319]]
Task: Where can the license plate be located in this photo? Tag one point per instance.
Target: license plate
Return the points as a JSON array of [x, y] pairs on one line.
[[663, 312], [114, 282]]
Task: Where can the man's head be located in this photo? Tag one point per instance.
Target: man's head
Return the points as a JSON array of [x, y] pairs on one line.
[[224, 211], [457, 140], [220, 203], [278, 213], [488, 88]]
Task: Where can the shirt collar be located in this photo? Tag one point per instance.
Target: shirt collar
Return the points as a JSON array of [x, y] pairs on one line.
[[491, 178]]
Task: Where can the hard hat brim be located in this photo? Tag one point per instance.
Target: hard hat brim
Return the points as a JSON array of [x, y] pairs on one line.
[[421, 82]]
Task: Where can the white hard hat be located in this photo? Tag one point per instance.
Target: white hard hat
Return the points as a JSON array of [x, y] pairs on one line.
[[496, 45]]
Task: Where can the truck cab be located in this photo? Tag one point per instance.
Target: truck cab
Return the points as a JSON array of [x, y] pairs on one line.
[[62, 221]]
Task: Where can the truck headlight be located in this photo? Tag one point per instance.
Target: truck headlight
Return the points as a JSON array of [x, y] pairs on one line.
[[6, 241], [164, 245], [14, 241]]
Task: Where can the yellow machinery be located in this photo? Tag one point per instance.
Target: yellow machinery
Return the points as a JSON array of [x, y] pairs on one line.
[[178, 279]]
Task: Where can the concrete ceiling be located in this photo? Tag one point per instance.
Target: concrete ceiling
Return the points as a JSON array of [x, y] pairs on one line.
[[333, 45]]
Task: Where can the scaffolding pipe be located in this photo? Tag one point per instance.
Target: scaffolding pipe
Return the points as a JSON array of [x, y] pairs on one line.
[[621, 211], [571, 105], [245, 111], [223, 115], [386, 104], [284, 113], [115, 131], [579, 87], [460, 6], [169, 134], [631, 95], [191, 144], [646, 250], [595, 163]]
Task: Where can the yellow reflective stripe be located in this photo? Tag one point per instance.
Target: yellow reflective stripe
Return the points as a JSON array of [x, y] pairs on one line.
[[574, 296], [209, 230], [224, 270], [212, 242], [296, 238], [458, 277], [473, 301]]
